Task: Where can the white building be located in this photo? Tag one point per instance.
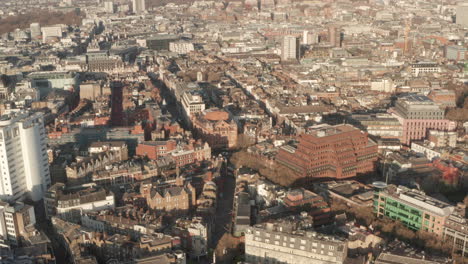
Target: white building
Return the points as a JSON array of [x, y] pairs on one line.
[[462, 14], [192, 103], [109, 7], [23, 152], [443, 138], [52, 31], [425, 149], [278, 244], [309, 37], [290, 48], [45, 81], [424, 67], [35, 30], [181, 47], [457, 53], [71, 204], [14, 219], [199, 238], [138, 6], [382, 85]]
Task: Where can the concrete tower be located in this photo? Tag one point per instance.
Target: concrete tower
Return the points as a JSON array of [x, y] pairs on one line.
[[23, 153], [290, 48]]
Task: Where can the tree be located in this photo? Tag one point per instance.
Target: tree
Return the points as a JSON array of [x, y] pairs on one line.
[[276, 173], [458, 114], [244, 141], [364, 215], [338, 206], [43, 17], [403, 233]]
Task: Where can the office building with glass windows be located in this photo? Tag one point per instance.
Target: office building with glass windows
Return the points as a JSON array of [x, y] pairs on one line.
[[413, 208]]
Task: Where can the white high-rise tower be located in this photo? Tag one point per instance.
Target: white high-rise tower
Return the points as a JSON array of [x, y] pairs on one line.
[[109, 7], [24, 167], [290, 48], [462, 14], [35, 30], [138, 6]]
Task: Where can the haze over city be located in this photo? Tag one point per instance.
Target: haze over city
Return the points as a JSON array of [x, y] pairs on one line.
[[235, 131]]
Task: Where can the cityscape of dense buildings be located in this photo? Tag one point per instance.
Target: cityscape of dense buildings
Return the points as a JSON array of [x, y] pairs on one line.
[[234, 131]]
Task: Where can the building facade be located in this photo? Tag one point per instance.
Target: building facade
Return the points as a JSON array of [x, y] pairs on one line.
[[46, 81], [424, 68], [139, 6], [178, 198], [290, 48], [216, 128], [181, 47], [70, 204], [192, 103], [35, 29], [156, 149], [456, 231], [90, 90], [14, 219], [462, 18], [379, 125], [23, 150], [109, 7], [341, 151], [443, 138], [445, 98], [52, 31], [194, 234], [272, 243], [456, 53], [413, 208], [418, 114]]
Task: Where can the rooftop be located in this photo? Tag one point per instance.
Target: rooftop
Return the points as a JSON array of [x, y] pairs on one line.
[[420, 200], [416, 99]]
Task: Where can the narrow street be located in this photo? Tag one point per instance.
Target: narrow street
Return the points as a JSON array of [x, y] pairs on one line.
[[223, 218], [224, 210]]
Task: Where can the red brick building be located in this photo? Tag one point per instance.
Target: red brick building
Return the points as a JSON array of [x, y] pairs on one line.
[[338, 152], [178, 198], [183, 157], [450, 174], [319, 209], [215, 127], [182, 153], [445, 98], [155, 149]]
